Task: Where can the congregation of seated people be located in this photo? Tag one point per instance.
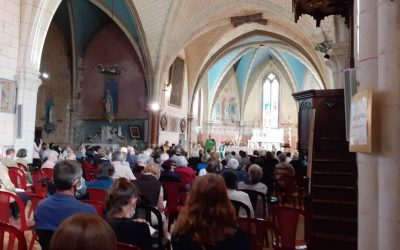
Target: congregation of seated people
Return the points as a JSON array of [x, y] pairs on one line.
[[131, 179]]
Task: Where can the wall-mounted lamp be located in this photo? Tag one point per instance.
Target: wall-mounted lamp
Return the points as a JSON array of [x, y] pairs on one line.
[[44, 75], [155, 106]]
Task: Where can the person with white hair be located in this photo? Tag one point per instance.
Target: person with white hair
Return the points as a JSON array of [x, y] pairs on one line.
[[52, 157], [163, 157], [141, 162], [121, 170], [233, 165], [131, 158], [187, 174]]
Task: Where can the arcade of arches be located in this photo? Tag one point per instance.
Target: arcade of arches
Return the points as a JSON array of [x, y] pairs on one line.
[[141, 72]]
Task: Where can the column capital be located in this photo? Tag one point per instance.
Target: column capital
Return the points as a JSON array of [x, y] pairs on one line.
[[28, 78], [242, 124], [190, 117]]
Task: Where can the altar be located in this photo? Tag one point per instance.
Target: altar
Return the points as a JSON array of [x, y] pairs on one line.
[[268, 139]]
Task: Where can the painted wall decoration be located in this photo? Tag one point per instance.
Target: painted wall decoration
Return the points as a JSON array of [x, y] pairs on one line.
[[8, 95], [176, 77], [227, 104]]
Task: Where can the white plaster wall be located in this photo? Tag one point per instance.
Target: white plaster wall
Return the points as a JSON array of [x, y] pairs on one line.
[[9, 42], [181, 112], [6, 129]]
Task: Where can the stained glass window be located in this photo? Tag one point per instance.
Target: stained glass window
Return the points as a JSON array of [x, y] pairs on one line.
[[271, 102]]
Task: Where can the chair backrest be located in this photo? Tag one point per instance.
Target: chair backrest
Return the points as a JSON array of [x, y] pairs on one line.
[[44, 237], [287, 184], [97, 194], [172, 192], [22, 166], [257, 230], [34, 199], [48, 172], [38, 181], [254, 197], [5, 228], [98, 205], [240, 205], [144, 212], [5, 199], [285, 229], [88, 171], [18, 177], [124, 246]]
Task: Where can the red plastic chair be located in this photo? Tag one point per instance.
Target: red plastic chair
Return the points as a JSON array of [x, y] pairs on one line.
[[22, 224], [98, 205], [288, 189], [124, 246], [89, 171], [257, 230], [97, 194], [285, 228], [173, 194], [38, 186], [22, 166], [48, 172], [13, 233], [34, 199], [18, 178]]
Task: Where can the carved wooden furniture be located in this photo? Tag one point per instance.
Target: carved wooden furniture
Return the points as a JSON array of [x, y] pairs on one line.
[[331, 206]]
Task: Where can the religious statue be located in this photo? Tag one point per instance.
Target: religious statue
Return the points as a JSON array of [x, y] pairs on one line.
[[49, 125], [108, 106]]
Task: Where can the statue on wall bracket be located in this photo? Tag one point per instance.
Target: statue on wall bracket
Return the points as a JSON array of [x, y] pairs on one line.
[[49, 125], [110, 100]]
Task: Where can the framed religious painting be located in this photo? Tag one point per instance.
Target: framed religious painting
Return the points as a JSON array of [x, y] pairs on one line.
[[176, 79], [134, 132], [8, 96]]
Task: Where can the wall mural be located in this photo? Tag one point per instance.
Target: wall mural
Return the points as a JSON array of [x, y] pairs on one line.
[[226, 105], [8, 95]]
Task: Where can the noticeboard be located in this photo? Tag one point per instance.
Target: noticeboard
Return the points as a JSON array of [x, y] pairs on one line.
[[361, 122]]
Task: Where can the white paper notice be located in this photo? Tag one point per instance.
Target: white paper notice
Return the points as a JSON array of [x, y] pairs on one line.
[[359, 121]]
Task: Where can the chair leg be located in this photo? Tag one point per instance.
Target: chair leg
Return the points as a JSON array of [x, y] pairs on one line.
[[32, 243], [11, 242]]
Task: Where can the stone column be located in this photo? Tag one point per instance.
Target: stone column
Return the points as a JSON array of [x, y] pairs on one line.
[[241, 131], [338, 62], [388, 101], [28, 83], [189, 131], [154, 120], [368, 164]]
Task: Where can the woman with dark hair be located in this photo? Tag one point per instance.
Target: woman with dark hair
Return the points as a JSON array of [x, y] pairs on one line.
[[120, 206], [208, 220], [104, 176], [37, 147], [21, 154], [268, 171], [84, 231], [168, 174]]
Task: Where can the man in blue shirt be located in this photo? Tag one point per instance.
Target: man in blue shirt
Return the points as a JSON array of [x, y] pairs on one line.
[[61, 205]]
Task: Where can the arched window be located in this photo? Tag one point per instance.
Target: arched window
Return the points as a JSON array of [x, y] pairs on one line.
[[271, 102]]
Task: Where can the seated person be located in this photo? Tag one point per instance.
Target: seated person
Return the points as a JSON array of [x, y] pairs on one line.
[[230, 178], [186, 173], [121, 170], [168, 174], [233, 165], [283, 168], [21, 154], [141, 162], [8, 186], [208, 220], [120, 206], [8, 160], [152, 193], [84, 231], [61, 205], [52, 157], [103, 178], [253, 183]]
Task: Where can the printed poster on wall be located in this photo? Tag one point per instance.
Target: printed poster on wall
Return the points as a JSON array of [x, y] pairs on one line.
[[8, 95], [360, 122]]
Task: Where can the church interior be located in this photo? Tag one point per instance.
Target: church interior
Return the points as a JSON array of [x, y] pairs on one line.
[[292, 105]]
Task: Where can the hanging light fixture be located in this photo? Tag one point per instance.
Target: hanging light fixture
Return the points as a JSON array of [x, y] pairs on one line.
[[105, 68]]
